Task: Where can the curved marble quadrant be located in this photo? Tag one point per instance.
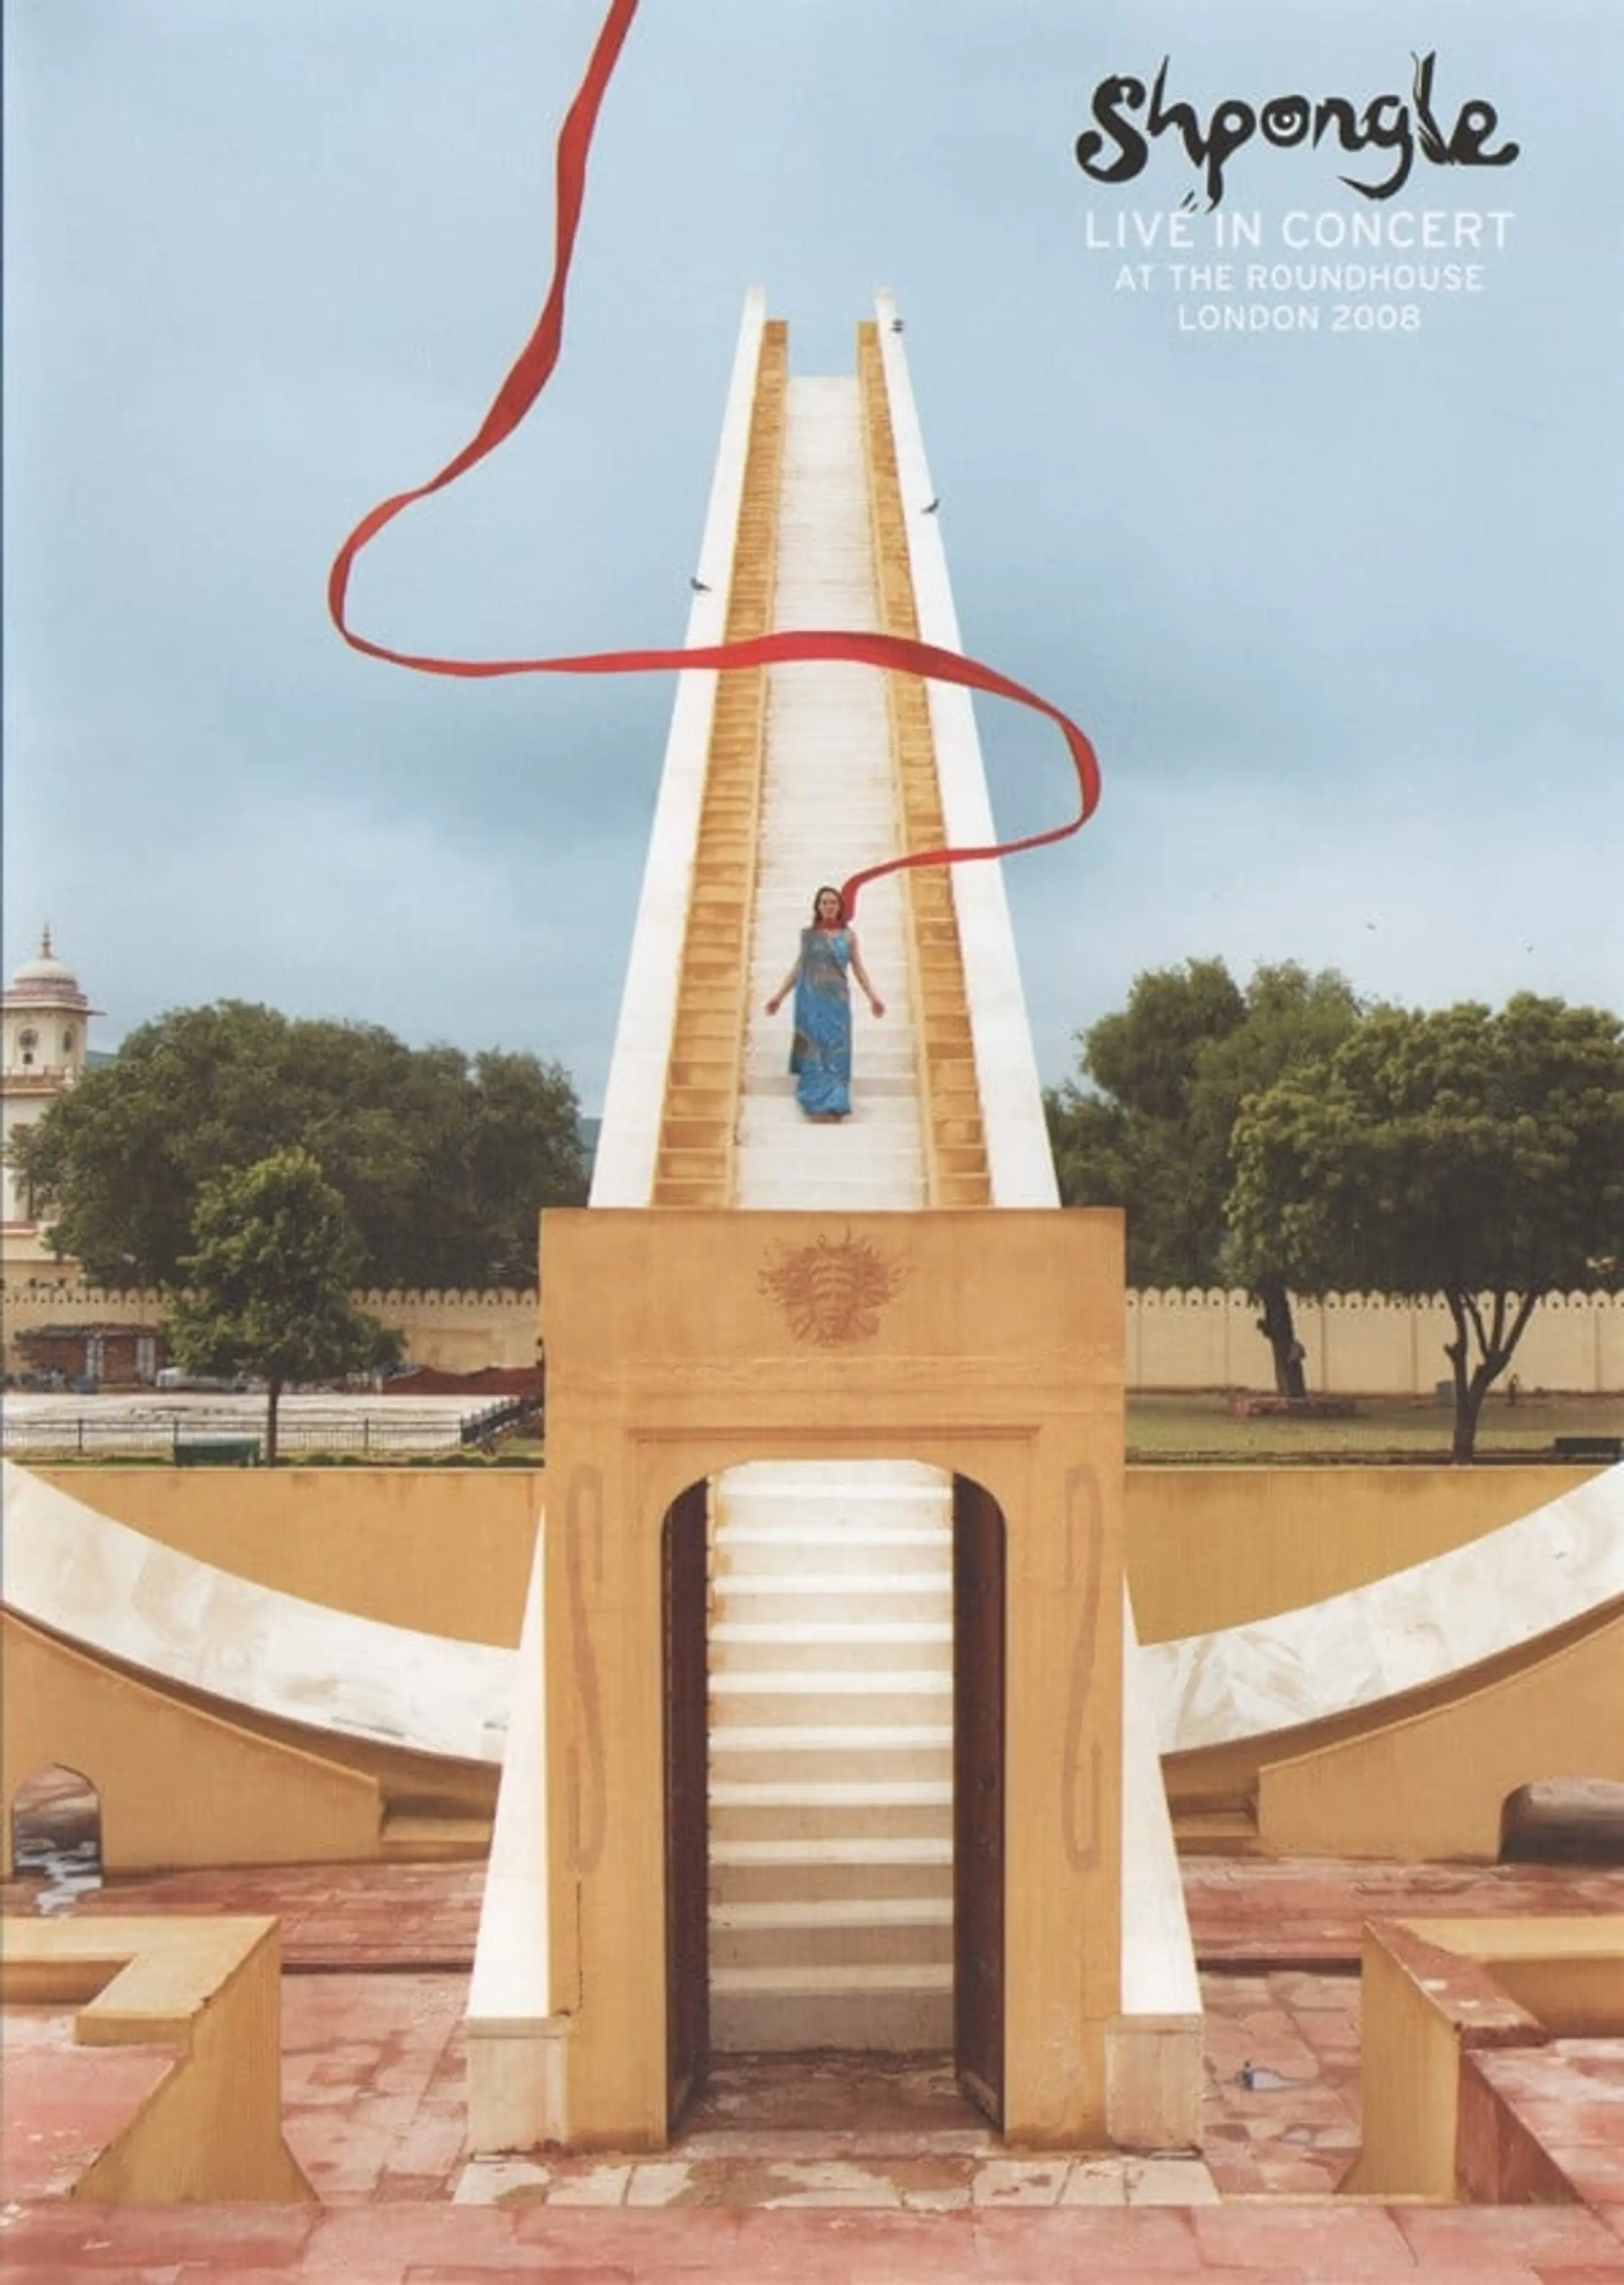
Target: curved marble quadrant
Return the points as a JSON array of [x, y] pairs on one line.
[[112, 1591], [1415, 1628]]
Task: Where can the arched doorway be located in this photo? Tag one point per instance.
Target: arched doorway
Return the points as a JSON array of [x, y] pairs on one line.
[[835, 1880], [56, 1834], [1564, 1821], [986, 1345]]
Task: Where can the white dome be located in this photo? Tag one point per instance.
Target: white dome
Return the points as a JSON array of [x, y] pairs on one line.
[[44, 981]]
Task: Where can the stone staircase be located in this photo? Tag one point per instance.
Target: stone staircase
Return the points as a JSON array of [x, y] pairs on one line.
[[831, 1681], [831, 1771]]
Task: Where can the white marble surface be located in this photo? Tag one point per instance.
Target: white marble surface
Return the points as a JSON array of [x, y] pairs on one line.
[[515, 2077], [1006, 1063], [624, 1169], [1159, 1959], [112, 1591], [1413, 1628]]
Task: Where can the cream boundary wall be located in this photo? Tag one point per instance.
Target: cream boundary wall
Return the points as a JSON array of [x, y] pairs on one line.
[[457, 1331], [1211, 1548], [634, 1096], [1358, 1344], [989, 1342], [1363, 1345], [440, 1551]]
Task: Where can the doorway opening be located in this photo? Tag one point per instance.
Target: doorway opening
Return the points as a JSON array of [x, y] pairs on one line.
[[1564, 1821], [55, 1834], [833, 1637]]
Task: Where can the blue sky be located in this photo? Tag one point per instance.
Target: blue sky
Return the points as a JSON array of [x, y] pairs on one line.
[[1340, 609]]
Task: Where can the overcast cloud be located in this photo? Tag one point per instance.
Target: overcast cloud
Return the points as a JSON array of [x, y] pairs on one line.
[[1342, 612]]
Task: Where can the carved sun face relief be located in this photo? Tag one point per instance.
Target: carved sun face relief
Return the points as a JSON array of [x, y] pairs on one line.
[[833, 1292]]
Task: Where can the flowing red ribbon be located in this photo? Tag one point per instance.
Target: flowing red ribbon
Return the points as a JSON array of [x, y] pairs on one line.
[[530, 372]]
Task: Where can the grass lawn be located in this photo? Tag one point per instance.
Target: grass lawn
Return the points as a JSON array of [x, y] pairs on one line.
[[1200, 1427]]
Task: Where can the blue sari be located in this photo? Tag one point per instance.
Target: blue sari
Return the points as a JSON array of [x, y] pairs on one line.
[[820, 1053]]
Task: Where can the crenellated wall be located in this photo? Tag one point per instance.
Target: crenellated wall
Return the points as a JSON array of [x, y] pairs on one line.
[[1358, 1344], [1362, 1344]]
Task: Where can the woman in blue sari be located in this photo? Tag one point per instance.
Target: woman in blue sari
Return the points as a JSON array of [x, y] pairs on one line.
[[820, 1055]]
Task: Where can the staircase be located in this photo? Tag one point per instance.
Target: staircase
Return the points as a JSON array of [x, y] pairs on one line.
[[831, 1674], [831, 1758]]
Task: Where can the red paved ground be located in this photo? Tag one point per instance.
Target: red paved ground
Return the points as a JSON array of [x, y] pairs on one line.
[[377, 1959]]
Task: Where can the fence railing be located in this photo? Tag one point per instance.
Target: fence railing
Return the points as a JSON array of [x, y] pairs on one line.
[[152, 1437], [509, 1415]]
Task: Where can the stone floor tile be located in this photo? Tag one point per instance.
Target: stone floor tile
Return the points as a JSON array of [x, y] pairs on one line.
[[73, 2242], [1543, 2237], [658, 2181], [487, 2181], [1096, 2182], [1341, 2240], [587, 2183], [1170, 2182], [835, 2182], [1020, 2181]]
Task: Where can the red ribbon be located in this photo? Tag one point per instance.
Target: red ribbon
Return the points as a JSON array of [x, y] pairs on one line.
[[530, 372]]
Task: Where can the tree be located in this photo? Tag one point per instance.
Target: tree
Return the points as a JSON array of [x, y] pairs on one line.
[[1459, 1152], [267, 1284], [1175, 1065], [443, 1165]]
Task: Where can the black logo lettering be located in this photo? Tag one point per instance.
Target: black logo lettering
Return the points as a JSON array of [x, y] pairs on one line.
[[1117, 147]]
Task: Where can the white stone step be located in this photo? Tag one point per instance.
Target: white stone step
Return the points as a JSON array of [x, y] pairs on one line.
[[872, 1480], [777, 1770], [799, 1884], [911, 1946], [811, 1738], [755, 1561], [796, 1848], [765, 1531], [838, 1912], [899, 2022], [848, 1646], [885, 1977], [789, 1596], [825, 1824], [856, 1544], [834, 1793], [770, 1694]]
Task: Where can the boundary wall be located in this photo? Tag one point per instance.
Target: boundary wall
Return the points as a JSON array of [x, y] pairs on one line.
[[1358, 1344], [441, 1551]]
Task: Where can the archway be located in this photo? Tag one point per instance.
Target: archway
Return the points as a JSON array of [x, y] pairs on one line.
[[1572, 1820], [872, 1901], [987, 1345], [56, 1832]]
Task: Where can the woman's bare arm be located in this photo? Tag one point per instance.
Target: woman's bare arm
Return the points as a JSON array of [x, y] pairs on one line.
[[782, 992], [861, 974]]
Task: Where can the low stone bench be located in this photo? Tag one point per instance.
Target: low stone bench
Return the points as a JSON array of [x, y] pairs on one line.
[[1293, 1407], [197, 2114]]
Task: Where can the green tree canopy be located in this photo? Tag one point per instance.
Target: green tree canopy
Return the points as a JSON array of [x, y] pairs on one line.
[[1459, 1152], [442, 1162], [268, 1283], [1151, 1132]]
